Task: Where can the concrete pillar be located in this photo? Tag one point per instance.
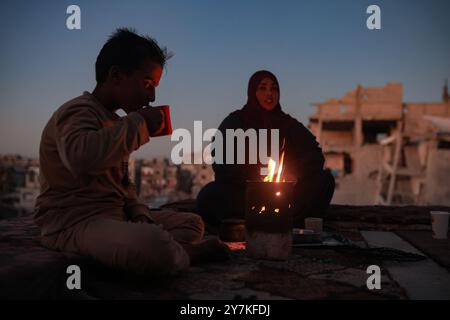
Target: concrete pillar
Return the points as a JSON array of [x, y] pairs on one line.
[[319, 132], [357, 129]]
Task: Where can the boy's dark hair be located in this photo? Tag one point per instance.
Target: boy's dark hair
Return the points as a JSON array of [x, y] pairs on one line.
[[128, 50]]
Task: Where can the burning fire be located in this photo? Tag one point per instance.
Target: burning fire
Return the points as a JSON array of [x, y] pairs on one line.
[[274, 175], [273, 172]]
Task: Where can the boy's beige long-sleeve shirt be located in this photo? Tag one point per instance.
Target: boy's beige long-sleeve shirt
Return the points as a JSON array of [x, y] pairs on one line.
[[83, 155]]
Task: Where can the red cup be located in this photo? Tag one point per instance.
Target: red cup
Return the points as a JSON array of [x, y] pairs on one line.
[[167, 123]]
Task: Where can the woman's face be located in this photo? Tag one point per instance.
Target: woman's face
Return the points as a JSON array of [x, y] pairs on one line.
[[267, 94]]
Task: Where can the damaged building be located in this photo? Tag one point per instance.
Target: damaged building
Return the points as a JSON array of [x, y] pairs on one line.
[[383, 150]]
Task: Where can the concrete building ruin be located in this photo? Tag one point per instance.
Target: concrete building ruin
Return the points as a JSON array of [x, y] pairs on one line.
[[22, 188], [383, 150], [158, 181]]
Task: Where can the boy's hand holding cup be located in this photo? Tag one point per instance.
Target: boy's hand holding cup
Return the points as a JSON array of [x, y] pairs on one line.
[[157, 120]]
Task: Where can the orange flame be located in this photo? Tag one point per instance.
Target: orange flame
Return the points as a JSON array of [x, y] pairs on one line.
[[272, 166], [280, 168]]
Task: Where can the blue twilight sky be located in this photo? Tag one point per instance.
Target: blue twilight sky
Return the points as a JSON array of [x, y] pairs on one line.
[[318, 49]]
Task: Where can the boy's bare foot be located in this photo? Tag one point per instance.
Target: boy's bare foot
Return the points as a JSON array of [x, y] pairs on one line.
[[209, 250]]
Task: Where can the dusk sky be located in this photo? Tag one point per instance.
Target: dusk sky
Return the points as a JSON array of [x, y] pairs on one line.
[[317, 49]]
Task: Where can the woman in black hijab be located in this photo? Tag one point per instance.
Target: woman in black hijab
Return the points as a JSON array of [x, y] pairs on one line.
[[224, 198]]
